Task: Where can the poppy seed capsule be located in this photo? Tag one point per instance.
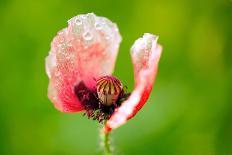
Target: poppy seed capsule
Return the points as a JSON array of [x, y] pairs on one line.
[[108, 89]]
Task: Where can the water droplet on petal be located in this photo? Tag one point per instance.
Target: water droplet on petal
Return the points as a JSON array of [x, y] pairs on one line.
[[98, 26], [78, 22], [84, 17], [87, 36]]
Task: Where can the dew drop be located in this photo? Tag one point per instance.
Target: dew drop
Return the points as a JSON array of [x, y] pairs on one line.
[[78, 22], [84, 17], [87, 36], [98, 26]]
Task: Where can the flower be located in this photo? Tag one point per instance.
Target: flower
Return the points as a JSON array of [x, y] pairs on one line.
[[80, 64]]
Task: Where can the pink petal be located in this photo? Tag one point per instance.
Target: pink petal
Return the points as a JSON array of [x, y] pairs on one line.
[[84, 51], [145, 56]]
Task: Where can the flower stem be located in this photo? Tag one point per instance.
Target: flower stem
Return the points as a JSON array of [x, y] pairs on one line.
[[105, 142]]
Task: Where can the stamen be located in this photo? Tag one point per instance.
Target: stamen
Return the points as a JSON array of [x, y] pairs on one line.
[[100, 103]]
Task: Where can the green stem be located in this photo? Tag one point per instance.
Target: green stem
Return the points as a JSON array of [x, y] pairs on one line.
[[105, 142]]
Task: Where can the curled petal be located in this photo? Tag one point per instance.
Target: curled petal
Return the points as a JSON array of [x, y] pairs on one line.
[[84, 51], [145, 55]]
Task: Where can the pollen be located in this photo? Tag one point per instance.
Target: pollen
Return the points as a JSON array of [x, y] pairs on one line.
[[108, 89]]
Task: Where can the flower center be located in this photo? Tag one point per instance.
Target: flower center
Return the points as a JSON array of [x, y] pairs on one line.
[[100, 102], [108, 89]]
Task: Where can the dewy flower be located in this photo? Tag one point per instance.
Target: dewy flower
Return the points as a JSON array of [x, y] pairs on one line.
[[80, 65]]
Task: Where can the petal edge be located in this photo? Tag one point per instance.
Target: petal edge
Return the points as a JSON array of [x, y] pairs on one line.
[[145, 55]]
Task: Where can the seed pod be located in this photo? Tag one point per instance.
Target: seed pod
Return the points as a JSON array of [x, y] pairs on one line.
[[108, 89]]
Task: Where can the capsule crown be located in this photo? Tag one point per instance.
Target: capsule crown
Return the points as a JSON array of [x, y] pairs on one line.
[[108, 89]]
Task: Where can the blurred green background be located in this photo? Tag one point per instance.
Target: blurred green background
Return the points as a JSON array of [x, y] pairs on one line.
[[189, 111]]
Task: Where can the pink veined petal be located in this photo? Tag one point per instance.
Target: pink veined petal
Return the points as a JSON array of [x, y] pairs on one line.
[[84, 51], [145, 56]]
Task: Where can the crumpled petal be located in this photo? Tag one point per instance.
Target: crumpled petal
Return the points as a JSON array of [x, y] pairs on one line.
[[84, 51], [145, 56]]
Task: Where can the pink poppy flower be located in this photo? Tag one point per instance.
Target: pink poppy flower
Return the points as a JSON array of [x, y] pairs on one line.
[[80, 65]]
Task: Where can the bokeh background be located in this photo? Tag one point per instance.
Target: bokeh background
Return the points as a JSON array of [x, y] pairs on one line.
[[189, 111]]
